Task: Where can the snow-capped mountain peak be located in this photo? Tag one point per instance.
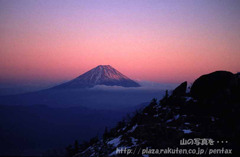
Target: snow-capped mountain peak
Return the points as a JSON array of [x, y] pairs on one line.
[[100, 75], [103, 72]]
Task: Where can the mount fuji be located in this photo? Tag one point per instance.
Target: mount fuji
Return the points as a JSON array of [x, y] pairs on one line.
[[100, 75]]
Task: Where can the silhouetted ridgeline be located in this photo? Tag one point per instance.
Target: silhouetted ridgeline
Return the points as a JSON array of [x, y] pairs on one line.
[[209, 110]]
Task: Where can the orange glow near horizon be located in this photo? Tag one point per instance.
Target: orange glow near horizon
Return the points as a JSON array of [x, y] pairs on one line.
[[147, 41]]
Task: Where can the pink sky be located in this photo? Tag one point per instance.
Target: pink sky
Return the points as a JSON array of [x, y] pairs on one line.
[[161, 41]]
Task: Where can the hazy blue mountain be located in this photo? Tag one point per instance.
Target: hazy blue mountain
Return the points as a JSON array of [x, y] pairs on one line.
[[31, 130]]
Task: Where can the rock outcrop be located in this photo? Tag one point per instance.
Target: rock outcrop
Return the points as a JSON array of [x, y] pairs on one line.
[[178, 116], [214, 85], [180, 90]]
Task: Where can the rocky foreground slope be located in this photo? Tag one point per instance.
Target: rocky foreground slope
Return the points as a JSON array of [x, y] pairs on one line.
[[209, 115]]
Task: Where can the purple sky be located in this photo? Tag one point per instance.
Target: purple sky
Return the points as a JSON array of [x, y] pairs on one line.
[[161, 40]]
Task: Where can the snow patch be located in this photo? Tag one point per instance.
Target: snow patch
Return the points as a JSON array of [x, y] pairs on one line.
[[134, 141], [176, 117], [115, 142], [187, 131], [113, 153], [188, 98], [169, 120], [133, 128]]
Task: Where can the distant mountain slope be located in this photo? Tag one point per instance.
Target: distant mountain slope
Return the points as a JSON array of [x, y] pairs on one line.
[[101, 75], [214, 115], [31, 130]]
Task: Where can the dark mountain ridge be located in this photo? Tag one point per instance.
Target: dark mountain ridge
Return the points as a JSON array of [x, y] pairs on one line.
[[211, 110]]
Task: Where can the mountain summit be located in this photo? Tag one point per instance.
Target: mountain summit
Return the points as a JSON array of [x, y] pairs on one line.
[[100, 75]]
